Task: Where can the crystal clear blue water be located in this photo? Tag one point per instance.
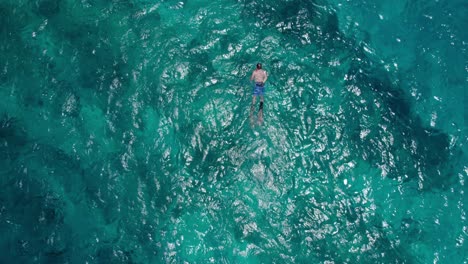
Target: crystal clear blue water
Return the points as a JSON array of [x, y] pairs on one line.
[[126, 134]]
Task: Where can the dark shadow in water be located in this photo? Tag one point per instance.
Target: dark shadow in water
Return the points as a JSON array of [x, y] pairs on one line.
[[431, 155], [47, 8], [13, 139], [416, 148], [32, 198]]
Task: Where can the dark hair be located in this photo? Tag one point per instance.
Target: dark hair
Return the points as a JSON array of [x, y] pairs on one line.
[[259, 65]]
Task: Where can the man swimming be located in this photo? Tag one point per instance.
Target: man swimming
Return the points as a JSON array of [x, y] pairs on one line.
[[259, 76]]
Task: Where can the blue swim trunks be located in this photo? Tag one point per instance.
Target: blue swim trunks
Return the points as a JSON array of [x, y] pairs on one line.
[[259, 89]]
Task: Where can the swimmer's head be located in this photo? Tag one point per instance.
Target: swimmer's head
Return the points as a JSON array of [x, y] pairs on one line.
[[259, 66]]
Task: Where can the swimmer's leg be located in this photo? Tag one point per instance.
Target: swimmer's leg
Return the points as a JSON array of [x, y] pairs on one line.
[[260, 111], [252, 109]]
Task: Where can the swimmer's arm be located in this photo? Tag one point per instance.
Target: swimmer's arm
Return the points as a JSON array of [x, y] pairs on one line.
[[265, 77], [252, 77]]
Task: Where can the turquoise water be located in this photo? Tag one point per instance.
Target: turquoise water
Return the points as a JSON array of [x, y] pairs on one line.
[[126, 134]]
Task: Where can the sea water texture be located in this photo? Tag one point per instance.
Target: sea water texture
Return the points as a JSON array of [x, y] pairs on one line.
[[125, 134]]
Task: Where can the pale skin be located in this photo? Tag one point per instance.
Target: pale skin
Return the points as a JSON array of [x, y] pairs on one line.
[[258, 75]]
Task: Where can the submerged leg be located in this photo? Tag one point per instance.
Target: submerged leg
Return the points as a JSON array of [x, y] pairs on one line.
[[260, 111], [252, 109]]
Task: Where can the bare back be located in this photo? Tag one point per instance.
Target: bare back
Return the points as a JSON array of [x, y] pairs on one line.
[[259, 75]]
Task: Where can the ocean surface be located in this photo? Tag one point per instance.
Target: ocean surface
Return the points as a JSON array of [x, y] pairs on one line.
[[126, 134]]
